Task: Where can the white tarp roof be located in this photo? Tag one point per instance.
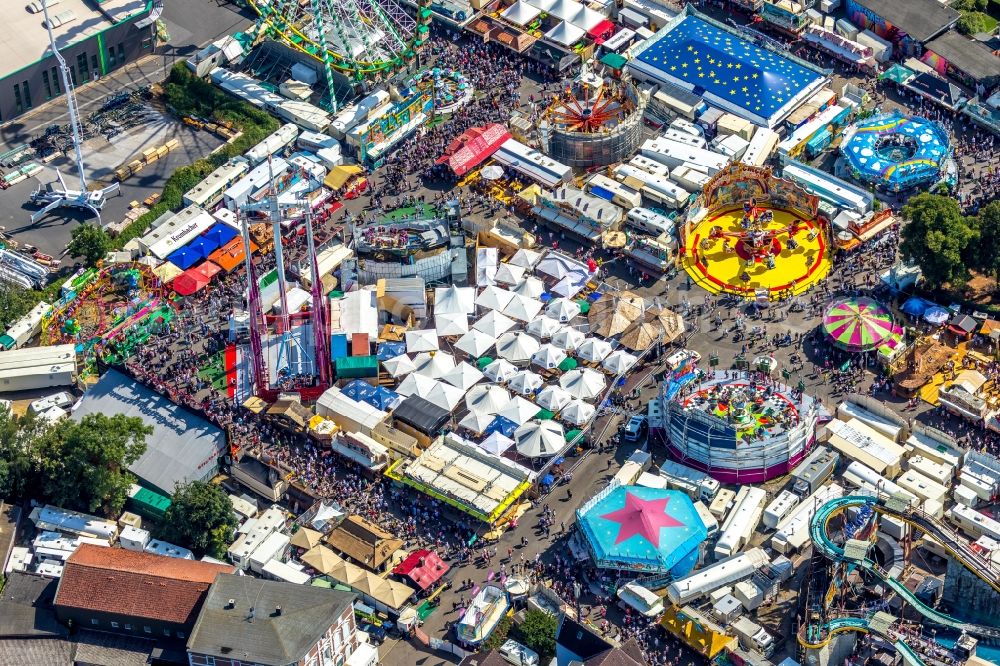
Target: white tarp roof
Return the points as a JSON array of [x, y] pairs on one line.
[[539, 439], [463, 375], [493, 323], [526, 258], [558, 266], [565, 33], [486, 266], [454, 300], [523, 308], [585, 18], [553, 398], [475, 343], [521, 13], [433, 364], [451, 324], [568, 338], [517, 347], [510, 273], [494, 298], [422, 340], [543, 327]]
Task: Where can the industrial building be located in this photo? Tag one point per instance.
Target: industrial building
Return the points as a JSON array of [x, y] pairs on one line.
[[94, 38]]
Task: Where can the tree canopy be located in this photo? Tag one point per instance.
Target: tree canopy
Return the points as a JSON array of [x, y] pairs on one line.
[[84, 464], [938, 238], [987, 255], [200, 518], [15, 302], [538, 632], [18, 463], [90, 242]]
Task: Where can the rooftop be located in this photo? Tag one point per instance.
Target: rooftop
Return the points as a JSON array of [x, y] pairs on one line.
[[750, 409], [118, 581], [287, 620], [968, 55], [24, 39], [364, 542], [920, 19], [26, 607]]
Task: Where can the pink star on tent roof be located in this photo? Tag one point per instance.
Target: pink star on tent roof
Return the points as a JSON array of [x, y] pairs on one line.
[[642, 517]]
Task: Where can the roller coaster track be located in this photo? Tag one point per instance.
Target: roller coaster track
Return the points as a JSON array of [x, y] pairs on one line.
[[956, 546], [860, 625]]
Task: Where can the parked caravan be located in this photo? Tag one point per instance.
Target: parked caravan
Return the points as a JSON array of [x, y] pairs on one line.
[[753, 637], [919, 485], [814, 471], [974, 523], [62, 400], [686, 126], [25, 328], [725, 572], [722, 503], [779, 507], [711, 524], [680, 136], [210, 191], [649, 221], [657, 188], [601, 186], [635, 596], [674, 154], [742, 522], [633, 468], [763, 143], [862, 475], [793, 531], [692, 180], [284, 572], [938, 472], [697, 484], [651, 166]]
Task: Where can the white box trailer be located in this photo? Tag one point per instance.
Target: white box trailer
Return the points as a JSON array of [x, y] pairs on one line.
[[686, 126], [763, 143], [657, 188], [652, 166], [284, 572], [33, 368], [725, 572], [966, 496], [601, 186], [779, 507], [698, 484], [742, 522], [752, 636], [25, 328], [685, 138], [974, 523], [707, 519], [674, 154], [921, 486], [272, 547], [692, 180], [983, 487], [722, 503], [937, 472], [881, 49], [793, 532]]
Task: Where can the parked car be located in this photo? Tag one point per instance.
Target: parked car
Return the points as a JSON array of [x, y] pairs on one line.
[[376, 634], [636, 428]]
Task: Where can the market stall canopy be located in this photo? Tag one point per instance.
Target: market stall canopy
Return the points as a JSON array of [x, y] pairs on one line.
[[500, 370], [583, 383], [937, 315], [433, 364], [491, 172], [522, 308], [423, 567], [516, 347], [562, 309], [569, 286], [539, 439], [543, 327], [341, 175], [496, 443], [494, 324], [548, 357], [525, 382], [422, 341], [519, 410], [398, 366], [553, 398], [473, 147], [494, 298], [463, 375], [487, 399], [476, 421], [619, 362], [447, 325], [613, 314], [578, 412], [190, 282], [475, 343], [510, 274], [557, 266], [669, 321], [306, 538], [322, 559], [593, 350], [521, 13], [570, 339], [526, 258], [454, 300], [640, 336], [530, 287]]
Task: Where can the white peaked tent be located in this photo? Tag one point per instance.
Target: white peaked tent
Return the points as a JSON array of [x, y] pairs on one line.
[[593, 350], [583, 384], [543, 327], [519, 410], [577, 412], [557, 266], [494, 298], [415, 384], [486, 266], [444, 395], [475, 343], [422, 341], [433, 364], [525, 382], [539, 439], [568, 338], [569, 286], [526, 258], [586, 18], [553, 398], [495, 324], [496, 443], [516, 347], [476, 421], [531, 287], [563, 9], [487, 399], [398, 366], [451, 324], [463, 375], [548, 357], [454, 300], [521, 13], [500, 370], [562, 309], [510, 274], [618, 362], [522, 308]]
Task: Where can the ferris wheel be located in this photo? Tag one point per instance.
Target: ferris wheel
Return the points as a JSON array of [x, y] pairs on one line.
[[362, 39]]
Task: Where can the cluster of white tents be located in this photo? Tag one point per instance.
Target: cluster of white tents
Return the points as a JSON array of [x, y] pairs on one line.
[[574, 19]]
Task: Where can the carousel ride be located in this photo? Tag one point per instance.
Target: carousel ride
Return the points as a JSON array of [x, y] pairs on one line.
[[449, 88]]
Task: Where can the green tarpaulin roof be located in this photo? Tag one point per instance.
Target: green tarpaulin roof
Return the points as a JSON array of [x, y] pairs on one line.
[[614, 60]]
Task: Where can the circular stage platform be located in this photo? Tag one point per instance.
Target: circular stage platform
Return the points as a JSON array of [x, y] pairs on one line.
[[896, 153]]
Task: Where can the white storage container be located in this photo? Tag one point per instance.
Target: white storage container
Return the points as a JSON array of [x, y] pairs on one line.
[[749, 594], [894, 527], [133, 538]]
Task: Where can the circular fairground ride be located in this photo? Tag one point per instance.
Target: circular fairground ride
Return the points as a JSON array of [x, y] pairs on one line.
[[363, 40]]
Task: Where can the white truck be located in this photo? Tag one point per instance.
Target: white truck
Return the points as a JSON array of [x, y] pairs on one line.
[[698, 485]]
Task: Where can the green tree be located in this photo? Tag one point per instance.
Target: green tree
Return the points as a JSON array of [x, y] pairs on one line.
[[538, 632], [937, 237], [15, 302], [987, 253], [18, 462], [972, 23], [85, 463], [90, 242], [201, 518]]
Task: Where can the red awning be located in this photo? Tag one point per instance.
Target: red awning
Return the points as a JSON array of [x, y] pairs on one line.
[[473, 146], [190, 281], [209, 270], [423, 567], [601, 28]]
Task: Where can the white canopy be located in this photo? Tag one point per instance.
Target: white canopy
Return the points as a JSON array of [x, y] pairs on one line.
[[522, 307], [476, 421], [486, 266], [585, 17], [433, 364], [540, 439], [444, 395], [421, 341], [494, 323], [562, 309], [487, 399], [525, 382], [583, 384], [563, 9], [463, 375], [475, 343], [569, 286], [521, 13], [577, 412], [568, 338], [415, 384], [548, 356], [553, 398], [494, 298], [451, 324], [516, 347], [519, 410], [454, 300], [532, 287], [510, 274], [398, 366], [594, 350], [500, 370], [543, 327], [558, 266], [526, 258], [496, 443], [619, 361]]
